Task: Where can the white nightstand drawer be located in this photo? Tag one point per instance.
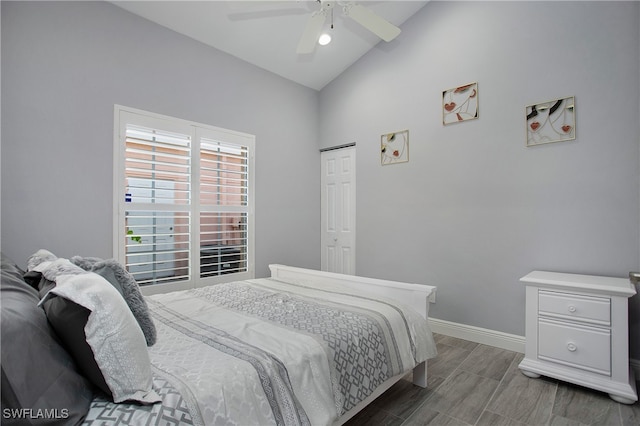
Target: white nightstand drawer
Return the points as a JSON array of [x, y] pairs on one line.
[[596, 310], [583, 347]]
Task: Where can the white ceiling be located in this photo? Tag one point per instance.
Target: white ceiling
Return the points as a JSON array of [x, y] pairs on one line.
[[266, 33]]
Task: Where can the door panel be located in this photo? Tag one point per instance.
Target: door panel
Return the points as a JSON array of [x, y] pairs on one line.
[[338, 200]]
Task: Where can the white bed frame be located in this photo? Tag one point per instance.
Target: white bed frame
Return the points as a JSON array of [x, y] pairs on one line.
[[417, 296]]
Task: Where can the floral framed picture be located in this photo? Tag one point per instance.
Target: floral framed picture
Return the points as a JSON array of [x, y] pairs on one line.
[[552, 121], [394, 147], [460, 104]]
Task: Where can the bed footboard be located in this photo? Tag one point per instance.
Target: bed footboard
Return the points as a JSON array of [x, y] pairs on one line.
[[417, 296]]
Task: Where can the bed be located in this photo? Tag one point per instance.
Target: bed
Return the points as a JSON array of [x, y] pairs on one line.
[[300, 347]]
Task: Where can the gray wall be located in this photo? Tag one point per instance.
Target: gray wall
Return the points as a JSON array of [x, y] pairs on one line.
[[471, 212], [474, 209], [65, 65]]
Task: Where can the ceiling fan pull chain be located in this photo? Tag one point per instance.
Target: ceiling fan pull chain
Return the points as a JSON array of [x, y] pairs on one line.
[[331, 18]]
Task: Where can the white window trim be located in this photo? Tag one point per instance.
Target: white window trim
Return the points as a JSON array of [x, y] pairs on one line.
[[121, 113]]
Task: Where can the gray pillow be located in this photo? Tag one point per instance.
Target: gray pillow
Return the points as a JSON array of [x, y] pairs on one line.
[[68, 319], [37, 372]]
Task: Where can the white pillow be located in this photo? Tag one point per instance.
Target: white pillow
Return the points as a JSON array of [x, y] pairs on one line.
[[112, 332]]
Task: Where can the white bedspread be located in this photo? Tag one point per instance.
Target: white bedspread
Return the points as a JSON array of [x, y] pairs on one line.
[[262, 351]]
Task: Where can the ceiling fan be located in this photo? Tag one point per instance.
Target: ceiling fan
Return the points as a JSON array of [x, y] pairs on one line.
[[362, 15]]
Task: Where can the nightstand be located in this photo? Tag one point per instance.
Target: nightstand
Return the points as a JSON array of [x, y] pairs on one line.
[[577, 331]]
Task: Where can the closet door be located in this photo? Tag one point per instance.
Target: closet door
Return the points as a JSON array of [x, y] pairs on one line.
[[338, 203]]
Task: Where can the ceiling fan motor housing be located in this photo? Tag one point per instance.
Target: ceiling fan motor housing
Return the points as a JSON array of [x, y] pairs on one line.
[[362, 15]]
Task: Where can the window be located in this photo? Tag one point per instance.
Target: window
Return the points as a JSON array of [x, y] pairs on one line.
[[184, 197]]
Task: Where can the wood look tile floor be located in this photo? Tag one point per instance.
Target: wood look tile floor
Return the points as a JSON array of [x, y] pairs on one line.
[[474, 384]]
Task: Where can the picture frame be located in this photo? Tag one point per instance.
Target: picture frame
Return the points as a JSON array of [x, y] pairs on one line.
[[551, 121], [394, 147], [460, 104]]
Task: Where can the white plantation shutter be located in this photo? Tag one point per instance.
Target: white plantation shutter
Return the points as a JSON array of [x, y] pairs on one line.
[[224, 207], [184, 198]]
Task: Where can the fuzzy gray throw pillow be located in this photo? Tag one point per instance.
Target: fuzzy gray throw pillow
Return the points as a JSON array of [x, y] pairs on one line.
[[124, 282]]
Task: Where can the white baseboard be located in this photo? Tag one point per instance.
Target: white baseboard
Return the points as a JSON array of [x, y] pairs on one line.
[[498, 339], [485, 336]]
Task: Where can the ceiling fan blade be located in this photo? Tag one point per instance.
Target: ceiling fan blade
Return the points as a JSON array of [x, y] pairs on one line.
[[243, 10], [259, 14], [253, 5], [374, 23], [307, 43]]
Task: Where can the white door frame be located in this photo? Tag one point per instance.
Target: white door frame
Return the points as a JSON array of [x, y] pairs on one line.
[[338, 209]]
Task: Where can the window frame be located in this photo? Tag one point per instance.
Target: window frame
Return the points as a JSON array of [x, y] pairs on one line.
[[197, 131]]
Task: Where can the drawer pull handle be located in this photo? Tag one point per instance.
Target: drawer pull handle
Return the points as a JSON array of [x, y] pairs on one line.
[[572, 347], [572, 309]]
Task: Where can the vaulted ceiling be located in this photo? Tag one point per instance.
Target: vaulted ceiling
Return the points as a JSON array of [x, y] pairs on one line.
[[266, 33]]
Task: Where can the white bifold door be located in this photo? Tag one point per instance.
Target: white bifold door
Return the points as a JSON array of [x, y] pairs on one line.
[[338, 203]]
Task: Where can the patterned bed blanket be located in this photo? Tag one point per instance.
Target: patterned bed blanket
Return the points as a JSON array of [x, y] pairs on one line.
[[264, 351]]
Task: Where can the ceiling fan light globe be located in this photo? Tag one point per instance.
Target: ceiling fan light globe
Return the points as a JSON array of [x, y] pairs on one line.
[[324, 39]]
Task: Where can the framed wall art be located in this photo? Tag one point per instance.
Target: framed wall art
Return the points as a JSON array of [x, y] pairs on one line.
[[394, 147], [460, 104], [552, 121]]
